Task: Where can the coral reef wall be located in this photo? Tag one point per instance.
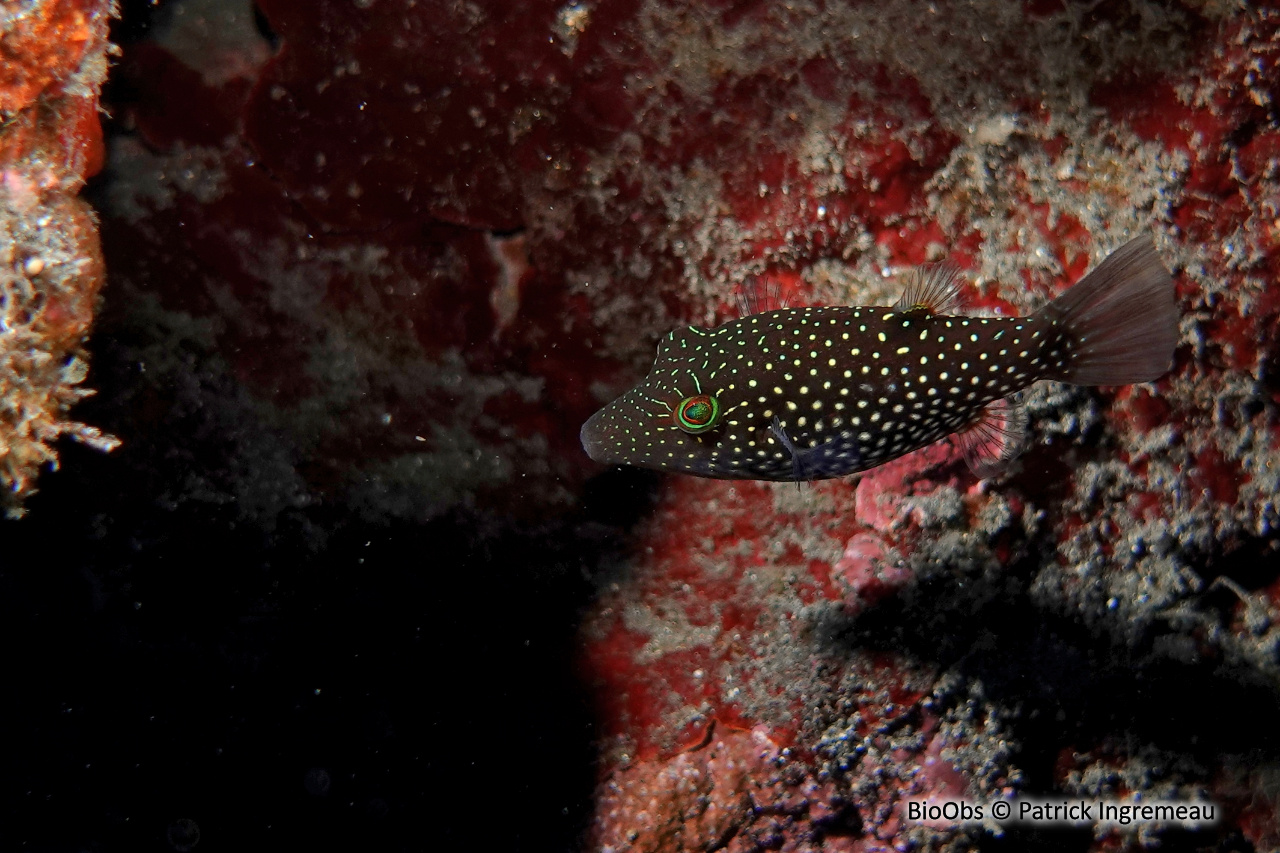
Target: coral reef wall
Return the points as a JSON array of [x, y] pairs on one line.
[[53, 59], [374, 262], [784, 668]]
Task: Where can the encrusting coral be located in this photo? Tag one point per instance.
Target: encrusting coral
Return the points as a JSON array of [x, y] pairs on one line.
[[54, 60]]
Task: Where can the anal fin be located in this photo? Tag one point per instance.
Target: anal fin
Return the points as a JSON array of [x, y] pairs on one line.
[[995, 438]]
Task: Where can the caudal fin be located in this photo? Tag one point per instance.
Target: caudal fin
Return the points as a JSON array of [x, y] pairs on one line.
[[1119, 322]]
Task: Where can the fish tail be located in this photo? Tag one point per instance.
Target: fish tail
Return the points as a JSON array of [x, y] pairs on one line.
[[1119, 323]]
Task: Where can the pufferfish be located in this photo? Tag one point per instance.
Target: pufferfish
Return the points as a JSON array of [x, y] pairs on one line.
[[819, 392]]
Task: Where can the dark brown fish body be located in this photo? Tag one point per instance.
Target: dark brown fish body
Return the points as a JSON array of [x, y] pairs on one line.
[[811, 393]]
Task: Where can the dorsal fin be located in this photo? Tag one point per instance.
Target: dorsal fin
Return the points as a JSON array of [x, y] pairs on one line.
[[995, 438], [932, 289], [756, 296]]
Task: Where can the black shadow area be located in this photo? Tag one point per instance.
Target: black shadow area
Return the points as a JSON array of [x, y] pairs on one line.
[[1080, 688], [179, 679]]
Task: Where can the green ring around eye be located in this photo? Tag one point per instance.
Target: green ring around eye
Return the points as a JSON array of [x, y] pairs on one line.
[[698, 414]]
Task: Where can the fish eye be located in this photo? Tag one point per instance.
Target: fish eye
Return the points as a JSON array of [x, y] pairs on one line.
[[698, 414]]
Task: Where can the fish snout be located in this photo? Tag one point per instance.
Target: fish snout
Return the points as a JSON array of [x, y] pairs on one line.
[[593, 438]]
